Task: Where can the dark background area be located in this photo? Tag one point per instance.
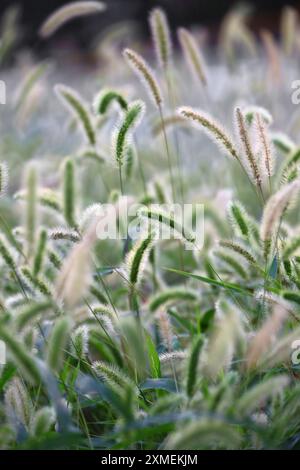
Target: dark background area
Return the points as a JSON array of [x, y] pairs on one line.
[[180, 12]]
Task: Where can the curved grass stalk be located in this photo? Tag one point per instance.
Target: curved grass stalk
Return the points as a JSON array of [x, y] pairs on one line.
[[171, 295], [213, 129], [105, 98], [67, 13], [75, 104]]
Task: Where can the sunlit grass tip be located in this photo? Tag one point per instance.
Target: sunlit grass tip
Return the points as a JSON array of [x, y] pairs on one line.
[[161, 36], [137, 257], [68, 12], [71, 99], [266, 147], [247, 147], [122, 135], [274, 210], [146, 75], [3, 178], [105, 98], [192, 55], [212, 128]]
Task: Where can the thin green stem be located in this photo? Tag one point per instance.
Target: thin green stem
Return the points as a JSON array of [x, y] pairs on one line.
[[168, 153]]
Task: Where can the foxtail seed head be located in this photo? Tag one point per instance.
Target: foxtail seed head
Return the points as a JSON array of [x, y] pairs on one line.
[[192, 54], [213, 129], [3, 178], [142, 69], [105, 98], [78, 108], [69, 12], [137, 258], [123, 132], [161, 36], [247, 147], [265, 144], [274, 210]]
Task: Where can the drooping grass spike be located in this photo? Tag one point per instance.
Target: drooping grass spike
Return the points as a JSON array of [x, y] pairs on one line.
[[192, 55], [123, 132], [213, 129], [74, 103], [142, 69], [68, 12], [106, 97]]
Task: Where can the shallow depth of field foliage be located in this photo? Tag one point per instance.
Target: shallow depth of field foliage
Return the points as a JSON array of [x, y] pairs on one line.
[[125, 344]]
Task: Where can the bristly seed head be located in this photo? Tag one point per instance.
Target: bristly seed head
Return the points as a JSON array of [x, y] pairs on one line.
[[142, 69], [3, 178], [265, 145], [68, 12], [274, 210], [192, 54], [123, 132], [213, 128], [105, 98], [161, 36], [78, 108], [137, 258], [247, 147]]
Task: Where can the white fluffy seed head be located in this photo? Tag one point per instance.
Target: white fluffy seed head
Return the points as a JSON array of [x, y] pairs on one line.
[[80, 339], [175, 356], [275, 208], [17, 402], [89, 214], [76, 274], [3, 178], [137, 258], [266, 335], [251, 111]]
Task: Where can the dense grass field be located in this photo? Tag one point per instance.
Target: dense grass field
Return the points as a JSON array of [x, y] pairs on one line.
[[144, 343]]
